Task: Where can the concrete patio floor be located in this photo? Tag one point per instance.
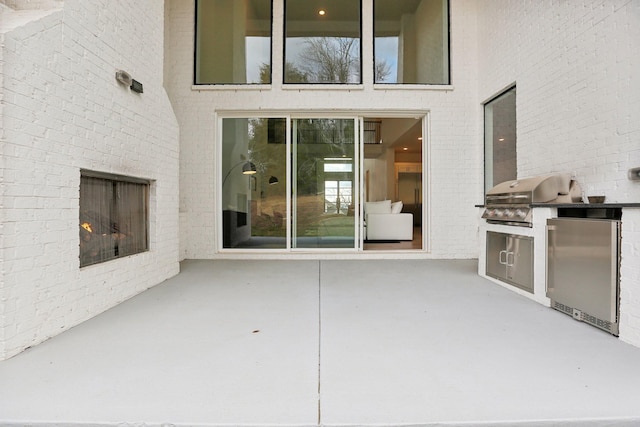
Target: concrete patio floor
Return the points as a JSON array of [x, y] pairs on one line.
[[336, 343]]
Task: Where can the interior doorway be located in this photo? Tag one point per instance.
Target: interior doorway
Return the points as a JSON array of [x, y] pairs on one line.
[[393, 166]]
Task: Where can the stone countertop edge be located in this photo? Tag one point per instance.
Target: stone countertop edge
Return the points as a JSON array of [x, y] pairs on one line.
[[579, 205], [585, 205]]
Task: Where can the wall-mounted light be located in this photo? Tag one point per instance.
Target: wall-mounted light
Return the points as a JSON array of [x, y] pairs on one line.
[[126, 80], [322, 12], [273, 180], [124, 77]]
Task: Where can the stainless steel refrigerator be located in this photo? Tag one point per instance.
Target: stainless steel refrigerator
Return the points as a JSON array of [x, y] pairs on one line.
[[583, 269]]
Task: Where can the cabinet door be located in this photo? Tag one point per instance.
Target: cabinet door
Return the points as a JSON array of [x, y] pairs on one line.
[[496, 254], [520, 262]]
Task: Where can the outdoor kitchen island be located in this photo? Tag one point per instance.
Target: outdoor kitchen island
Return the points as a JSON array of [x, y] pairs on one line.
[[626, 213]]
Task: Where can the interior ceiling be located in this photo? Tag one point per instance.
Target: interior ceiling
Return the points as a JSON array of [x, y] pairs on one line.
[[336, 10], [409, 140], [394, 9], [401, 133]]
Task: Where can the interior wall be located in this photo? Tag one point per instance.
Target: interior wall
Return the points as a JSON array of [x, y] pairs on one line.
[[377, 169], [429, 37]]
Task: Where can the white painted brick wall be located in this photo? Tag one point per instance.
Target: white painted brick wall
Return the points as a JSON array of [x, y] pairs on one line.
[[64, 111], [456, 147], [630, 278], [578, 104], [33, 4]]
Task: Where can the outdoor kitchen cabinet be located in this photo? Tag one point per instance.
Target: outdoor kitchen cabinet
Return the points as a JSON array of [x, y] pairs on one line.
[[510, 259]]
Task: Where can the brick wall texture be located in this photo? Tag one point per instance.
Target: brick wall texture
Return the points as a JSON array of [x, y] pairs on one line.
[[63, 111]]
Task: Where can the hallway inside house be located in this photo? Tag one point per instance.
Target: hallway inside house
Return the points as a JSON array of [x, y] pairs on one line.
[[331, 343]]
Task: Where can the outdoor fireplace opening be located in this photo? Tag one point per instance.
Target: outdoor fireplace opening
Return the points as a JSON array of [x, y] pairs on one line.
[[113, 217]]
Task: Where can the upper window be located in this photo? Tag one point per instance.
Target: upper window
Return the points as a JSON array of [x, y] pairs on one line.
[[113, 217], [411, 41], [322, 41], [500, 155], [233, 42]]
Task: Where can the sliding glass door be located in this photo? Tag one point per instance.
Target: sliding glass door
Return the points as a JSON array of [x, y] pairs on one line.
[[289, 183], [324, 183]]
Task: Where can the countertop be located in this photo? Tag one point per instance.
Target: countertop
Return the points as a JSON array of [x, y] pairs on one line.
[[585, 205], [580, 205]]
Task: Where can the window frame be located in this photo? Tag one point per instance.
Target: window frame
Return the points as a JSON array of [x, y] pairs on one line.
[[245, 85], [297, 85], [488, 185], [414, 85]]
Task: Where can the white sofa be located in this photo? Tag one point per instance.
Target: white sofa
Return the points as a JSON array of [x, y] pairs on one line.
[[384, 221]]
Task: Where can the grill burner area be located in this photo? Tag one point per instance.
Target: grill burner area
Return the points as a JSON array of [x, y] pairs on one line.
[[509, 202]]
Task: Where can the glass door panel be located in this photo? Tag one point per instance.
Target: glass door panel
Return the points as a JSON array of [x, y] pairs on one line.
[[323, 177], [254, 190]]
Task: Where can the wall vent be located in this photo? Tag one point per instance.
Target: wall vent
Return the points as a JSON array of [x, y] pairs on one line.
[[581, 316]]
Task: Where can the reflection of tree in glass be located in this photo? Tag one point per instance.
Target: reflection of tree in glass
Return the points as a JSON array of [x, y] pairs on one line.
[[318, 139], [327, 60], [381, 71], [331, 59], [291, 74]]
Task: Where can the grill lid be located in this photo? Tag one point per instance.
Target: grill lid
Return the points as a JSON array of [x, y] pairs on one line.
[[540, 189]]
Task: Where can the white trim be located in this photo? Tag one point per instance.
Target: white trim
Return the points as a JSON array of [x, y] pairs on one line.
[[217, 173], [323, 87], [361, 194], [412, 87], [231, 87], [289, 185], [323, 113], [426, 183]]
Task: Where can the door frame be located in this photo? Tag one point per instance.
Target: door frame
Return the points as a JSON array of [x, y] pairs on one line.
[[359, 186]]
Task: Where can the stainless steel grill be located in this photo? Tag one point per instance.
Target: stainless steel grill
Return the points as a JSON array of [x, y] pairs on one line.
[[510, 202]]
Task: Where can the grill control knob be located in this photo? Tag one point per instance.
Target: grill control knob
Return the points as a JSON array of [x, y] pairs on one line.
[[521, 214], [510, 213]]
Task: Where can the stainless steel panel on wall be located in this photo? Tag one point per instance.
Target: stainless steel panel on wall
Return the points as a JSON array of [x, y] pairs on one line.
[[582, 265]]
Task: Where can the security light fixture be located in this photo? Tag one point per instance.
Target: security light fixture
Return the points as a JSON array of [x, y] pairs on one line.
[[124, 77]]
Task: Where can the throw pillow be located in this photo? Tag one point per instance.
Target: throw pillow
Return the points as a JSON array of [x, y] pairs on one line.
[[396, 207]]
